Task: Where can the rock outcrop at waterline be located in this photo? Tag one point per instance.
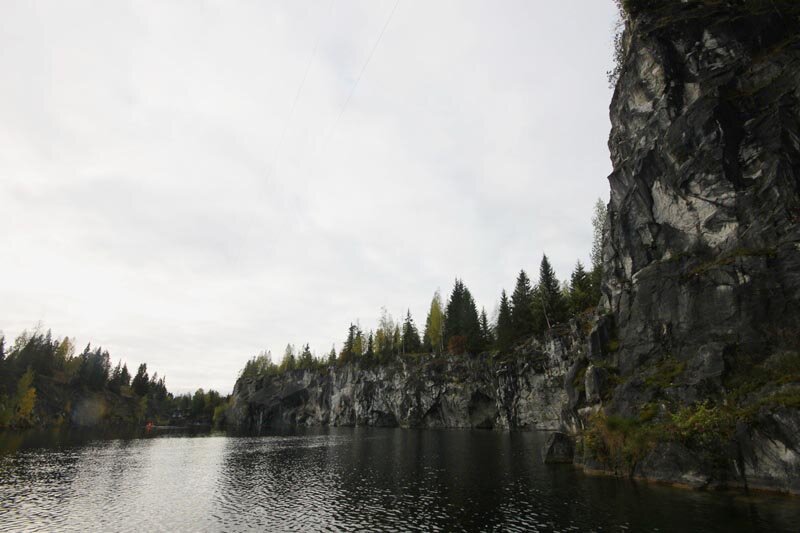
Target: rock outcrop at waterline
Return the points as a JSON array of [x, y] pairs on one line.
[[523, 391], [695, 368]]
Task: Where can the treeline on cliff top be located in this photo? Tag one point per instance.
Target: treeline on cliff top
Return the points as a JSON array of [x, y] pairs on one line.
[[457, 327], [42, 381]]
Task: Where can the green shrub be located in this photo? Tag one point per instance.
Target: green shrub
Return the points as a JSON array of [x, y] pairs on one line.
[[620, 443], [666, 371]]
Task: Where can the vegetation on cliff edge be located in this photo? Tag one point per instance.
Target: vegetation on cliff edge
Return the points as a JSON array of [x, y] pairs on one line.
[[457, 327]]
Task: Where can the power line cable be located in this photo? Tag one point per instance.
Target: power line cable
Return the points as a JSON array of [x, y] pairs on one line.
[[302, 85], [364, 67]]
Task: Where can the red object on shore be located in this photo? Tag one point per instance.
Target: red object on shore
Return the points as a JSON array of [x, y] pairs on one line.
[[148, 427]]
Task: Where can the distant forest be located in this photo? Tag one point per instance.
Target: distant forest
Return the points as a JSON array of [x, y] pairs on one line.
[[457, 327], [44, 383]]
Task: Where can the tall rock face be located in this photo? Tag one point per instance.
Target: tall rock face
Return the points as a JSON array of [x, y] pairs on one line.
[[703, 248], [702, 253], [526, 390]]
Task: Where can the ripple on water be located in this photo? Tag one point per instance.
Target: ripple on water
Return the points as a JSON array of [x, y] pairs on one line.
[[346, 480]]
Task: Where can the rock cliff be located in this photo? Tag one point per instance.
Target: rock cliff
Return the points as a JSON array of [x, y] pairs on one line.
[[697, 354], [525, 390]]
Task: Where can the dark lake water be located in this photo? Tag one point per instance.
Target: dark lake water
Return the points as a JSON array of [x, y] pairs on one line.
[[346, 480]]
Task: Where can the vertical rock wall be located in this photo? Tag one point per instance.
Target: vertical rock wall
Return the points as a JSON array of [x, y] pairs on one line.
[[695, 369]]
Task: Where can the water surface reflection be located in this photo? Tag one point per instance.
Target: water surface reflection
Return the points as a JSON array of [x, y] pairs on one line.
[[346, 480]]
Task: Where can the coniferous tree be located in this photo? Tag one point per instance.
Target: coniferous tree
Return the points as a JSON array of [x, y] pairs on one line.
[[141, 381], [487, 336], [64, 352], [548, 299], [580, 290], [369, 355], [352, 348], [332, 356], [115, 381], [522, 307], [157, 388], [411, 341], [125, 377], [346, 354], [504, 330], [94, 369], [305, 359], [462, 329]]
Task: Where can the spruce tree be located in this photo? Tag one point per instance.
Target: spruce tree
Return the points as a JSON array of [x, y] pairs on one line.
[[504, 330], [462, 329], [141, 382], [114, 381], [352, 345], [411, 341], [125, 376], [522, 307], [369, 355], [487, 337], [306, 359], [332, 356], [580, 290], [548, 298]]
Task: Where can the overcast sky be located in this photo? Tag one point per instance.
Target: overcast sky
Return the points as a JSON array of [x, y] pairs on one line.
[[187, 183]]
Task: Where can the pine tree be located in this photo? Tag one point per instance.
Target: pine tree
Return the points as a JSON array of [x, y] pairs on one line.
[[522, 307], [504, 330], [411, 341], [434, 326]]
